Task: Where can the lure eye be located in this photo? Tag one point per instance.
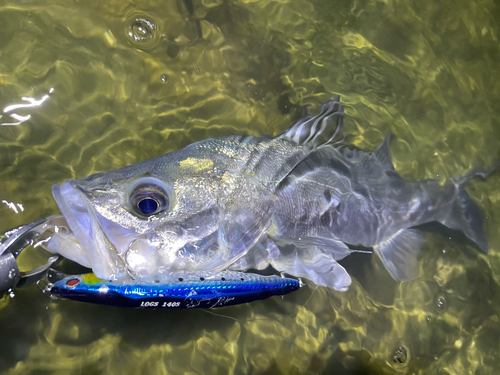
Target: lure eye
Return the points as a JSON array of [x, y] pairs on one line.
[[72, 282], [149, 198]]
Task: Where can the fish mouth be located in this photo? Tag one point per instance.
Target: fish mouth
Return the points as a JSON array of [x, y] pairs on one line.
[[82, 220]]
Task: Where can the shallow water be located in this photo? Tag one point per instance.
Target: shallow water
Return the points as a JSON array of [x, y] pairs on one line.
[[122, 82]]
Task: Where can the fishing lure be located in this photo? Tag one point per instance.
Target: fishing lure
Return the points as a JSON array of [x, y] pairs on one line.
[[178, 290]]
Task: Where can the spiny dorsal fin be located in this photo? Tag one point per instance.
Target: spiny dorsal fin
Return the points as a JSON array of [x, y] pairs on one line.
[[324, 128], [383, 155]]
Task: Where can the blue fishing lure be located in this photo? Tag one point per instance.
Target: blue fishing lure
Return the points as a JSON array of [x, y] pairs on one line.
[[178, 290]]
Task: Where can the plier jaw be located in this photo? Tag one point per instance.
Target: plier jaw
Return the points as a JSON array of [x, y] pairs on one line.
[[9, 272], [18, 240]]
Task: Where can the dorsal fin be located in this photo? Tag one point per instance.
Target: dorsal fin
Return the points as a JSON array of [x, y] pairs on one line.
[[383, 155], [324, 128]]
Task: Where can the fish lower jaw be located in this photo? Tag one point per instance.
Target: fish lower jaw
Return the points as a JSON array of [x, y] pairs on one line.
[[101, 254]]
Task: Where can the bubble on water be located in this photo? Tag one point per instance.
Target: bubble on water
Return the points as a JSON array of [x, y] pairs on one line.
[[164, 78], [400, 356], [142, 30], [441, 302]]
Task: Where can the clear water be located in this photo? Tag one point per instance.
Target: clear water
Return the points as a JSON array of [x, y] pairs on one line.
[[127, 81]]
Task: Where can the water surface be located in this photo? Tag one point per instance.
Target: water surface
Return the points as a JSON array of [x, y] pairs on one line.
[[109, 83]]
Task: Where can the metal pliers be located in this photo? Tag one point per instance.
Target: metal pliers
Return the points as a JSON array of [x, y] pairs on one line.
[[18, 240]]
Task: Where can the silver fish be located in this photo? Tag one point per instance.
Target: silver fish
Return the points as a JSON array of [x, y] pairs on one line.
[[299, 202]]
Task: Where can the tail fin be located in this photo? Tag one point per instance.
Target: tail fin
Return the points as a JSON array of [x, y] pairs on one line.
[[473, 173], [466, 216]]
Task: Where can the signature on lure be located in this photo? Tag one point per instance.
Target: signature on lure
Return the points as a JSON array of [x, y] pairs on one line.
[[299, 202]]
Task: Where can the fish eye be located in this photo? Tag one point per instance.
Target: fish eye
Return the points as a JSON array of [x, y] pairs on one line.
[[148, 206], [148, 198]]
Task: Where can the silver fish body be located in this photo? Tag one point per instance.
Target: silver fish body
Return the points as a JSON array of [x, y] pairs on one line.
[[299, 202]]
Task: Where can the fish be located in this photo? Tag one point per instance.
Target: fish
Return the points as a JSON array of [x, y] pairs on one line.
[[299, 203]]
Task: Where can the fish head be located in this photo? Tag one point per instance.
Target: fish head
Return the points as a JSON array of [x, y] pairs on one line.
[[181, 211]]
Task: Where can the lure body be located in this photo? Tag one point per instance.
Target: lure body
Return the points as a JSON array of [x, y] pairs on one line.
[[178, 290]]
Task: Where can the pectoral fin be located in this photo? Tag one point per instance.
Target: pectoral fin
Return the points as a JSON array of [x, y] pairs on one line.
[[399, 253], [312, 264]]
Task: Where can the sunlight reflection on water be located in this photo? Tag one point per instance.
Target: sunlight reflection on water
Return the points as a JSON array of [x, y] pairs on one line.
[[127, 82]]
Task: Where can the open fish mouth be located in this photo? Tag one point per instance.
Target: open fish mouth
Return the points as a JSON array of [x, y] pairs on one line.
[[92, 247]]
